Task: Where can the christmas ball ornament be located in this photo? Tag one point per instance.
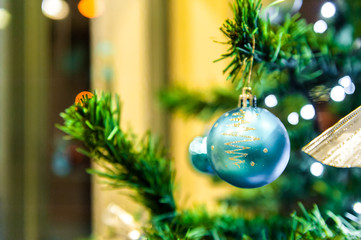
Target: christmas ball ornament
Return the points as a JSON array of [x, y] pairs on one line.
[[198, 155], [248, 147]]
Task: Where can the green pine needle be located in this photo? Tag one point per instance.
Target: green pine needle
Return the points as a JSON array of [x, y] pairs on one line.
[[125, 162]]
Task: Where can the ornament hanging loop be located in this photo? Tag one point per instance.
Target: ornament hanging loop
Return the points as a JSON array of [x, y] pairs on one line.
[[247, 99]]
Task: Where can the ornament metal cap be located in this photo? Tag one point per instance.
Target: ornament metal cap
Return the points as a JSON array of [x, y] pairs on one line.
[[247, 99]]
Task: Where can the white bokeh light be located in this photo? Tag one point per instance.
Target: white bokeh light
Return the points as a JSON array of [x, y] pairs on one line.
[[293, 118], [350, 89], [271, 101], [345, 81], [328, 10], [308, 112], [316, 169], [55, 9], [337, 94], [357, 207], [134, 235], [320, 26]]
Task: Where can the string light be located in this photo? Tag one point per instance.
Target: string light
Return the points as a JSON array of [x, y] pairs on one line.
[[316, 169], [320, 26], [271, 101], [308, 112], [55, 9], [293, 118], [328, 10], [337, 94]]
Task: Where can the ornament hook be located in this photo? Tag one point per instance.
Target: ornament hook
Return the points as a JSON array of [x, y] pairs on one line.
[[247, 99]]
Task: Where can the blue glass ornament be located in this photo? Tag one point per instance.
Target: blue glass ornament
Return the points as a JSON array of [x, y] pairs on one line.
[[198, 155], [248, 147]]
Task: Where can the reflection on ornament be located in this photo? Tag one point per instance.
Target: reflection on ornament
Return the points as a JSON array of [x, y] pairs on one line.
[[248, 147], [340, 145], [198, 155], [91, 8]]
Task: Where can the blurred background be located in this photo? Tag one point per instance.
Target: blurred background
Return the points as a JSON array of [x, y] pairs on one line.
[[50, 50]]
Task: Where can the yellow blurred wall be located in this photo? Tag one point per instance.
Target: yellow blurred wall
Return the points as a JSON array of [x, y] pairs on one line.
[[119, 64], [194, 27]]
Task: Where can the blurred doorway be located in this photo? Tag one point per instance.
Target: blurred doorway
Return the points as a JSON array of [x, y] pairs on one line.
[[44, 190]]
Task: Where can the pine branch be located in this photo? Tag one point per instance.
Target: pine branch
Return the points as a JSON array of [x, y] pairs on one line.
[[291, 45], [199, 224], [275, 45], [126, 162], [195, 103]]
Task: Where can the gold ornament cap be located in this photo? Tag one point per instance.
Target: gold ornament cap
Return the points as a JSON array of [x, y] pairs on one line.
[[246, 99]]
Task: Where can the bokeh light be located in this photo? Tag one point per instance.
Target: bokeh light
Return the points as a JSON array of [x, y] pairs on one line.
[[337, 94], [347, 84], [134, 235], [350, 89], [308, 112], [328, 10], [316, 169], [345, 81], [320, 26], [55, 9], [357, 207], [271, 101], [91, 8], [293, 118]]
